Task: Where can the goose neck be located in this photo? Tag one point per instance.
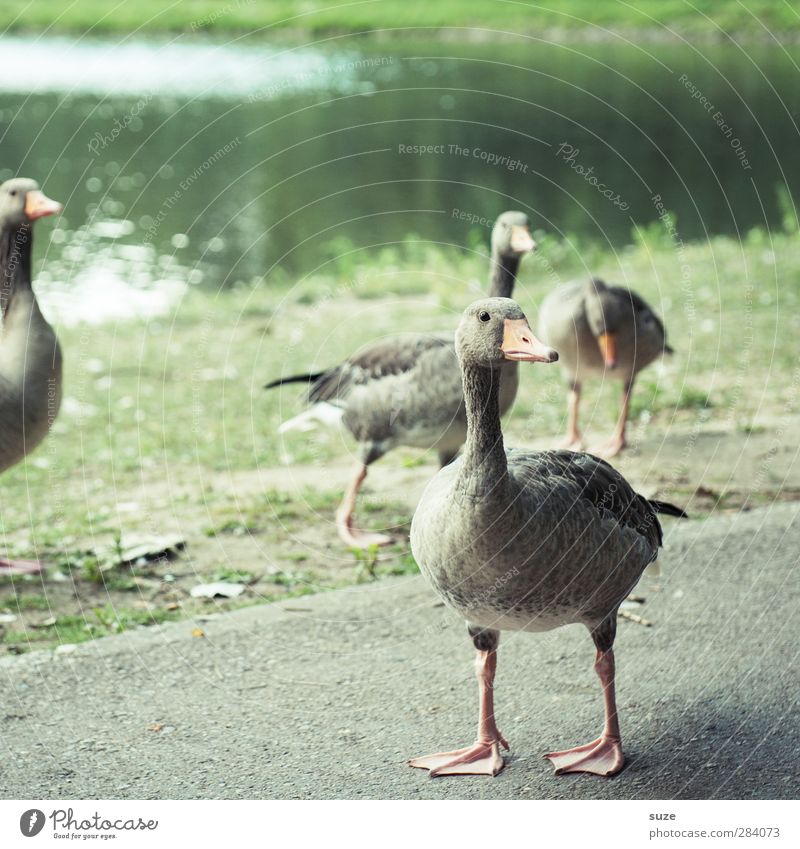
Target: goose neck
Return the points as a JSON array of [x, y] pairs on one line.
[[484, 467], [15, 265], [503, 275]]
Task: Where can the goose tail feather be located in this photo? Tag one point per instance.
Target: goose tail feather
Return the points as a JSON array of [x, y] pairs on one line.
[[668, 509], [295, 378], [325, 414]]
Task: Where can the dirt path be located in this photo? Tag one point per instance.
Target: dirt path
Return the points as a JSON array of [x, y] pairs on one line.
[[271, 529]]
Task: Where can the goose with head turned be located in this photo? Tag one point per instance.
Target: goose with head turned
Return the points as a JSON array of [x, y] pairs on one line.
[[527, 541], [30, 357], [406, 390], [601, 330]]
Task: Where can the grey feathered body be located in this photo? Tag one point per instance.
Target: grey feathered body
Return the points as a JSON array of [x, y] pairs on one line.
[[30, 378], [559, 538], [421, 406], [406, 389], [563, 323]]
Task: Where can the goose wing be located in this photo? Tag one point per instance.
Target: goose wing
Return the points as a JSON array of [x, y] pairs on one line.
[[591, 480], [393, 356], [639, 305], [417, 406]]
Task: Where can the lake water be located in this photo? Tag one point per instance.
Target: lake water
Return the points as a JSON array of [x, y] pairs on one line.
[[191, 163]]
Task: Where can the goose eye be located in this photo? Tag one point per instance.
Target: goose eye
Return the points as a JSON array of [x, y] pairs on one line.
[[13, 193], [484, 316]]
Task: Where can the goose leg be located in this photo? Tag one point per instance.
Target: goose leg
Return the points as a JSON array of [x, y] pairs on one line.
[[344, 516], [483, 756], [20, 567], [573, 440], [604, 755], [617, 441]]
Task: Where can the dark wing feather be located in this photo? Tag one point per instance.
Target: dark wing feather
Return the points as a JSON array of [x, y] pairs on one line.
[[295, 378], [668, 509], [595, 481], [392, 356], [639, 304], [637, 301]]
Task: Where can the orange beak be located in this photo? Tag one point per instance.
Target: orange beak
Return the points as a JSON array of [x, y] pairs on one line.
[[520, 345], [37, 205], [521, 239], [607, 342]]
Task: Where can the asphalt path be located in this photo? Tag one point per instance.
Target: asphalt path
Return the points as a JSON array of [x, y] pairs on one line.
[[327, 696]]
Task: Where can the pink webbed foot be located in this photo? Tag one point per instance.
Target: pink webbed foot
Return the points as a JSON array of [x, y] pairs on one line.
[[609, 449], [355, 538], [482, 758], [572, 443], [361, 539], [602, 757], [20, 567]]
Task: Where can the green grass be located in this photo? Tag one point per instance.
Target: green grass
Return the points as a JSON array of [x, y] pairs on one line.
[[273, 507], [25, 602], [101, 622], [319, 19], [181, 398], [233, 576], [652, 396], [164, 418]]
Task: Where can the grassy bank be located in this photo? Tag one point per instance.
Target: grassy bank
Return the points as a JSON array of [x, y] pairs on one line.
[[560, 18], [165, 428]]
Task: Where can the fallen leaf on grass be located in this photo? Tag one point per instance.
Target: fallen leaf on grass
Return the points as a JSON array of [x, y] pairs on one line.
[[134, 549], [222, 589]]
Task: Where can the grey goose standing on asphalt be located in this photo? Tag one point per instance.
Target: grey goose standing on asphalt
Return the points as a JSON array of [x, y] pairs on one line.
[[528, 541]]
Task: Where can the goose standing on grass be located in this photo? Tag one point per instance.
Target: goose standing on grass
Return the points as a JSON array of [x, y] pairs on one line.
[[528, 540], [406, 390], [603, 330], [30, 358]]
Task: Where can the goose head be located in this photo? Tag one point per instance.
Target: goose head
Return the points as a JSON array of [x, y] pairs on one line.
[[511, 235], [605, 315], [493, 331], [21, 202]]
